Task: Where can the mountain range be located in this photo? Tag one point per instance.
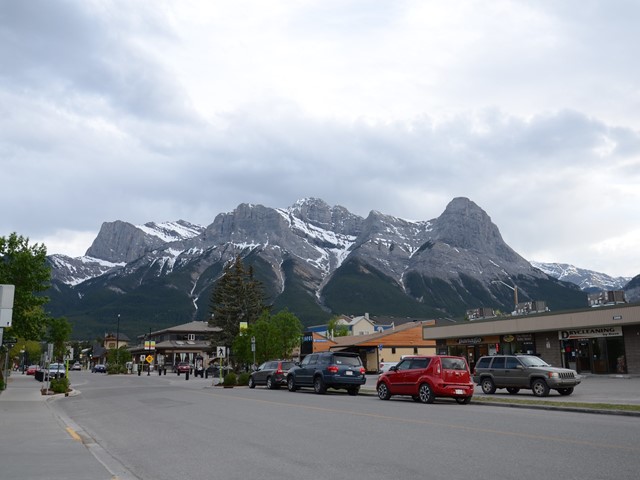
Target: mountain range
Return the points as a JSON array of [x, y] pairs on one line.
[[314, 259]]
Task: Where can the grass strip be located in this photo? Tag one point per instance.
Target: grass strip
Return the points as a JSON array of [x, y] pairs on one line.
[[590, 406]]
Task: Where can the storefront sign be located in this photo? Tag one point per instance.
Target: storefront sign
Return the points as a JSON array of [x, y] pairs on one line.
[[470, 341], [590, 333]]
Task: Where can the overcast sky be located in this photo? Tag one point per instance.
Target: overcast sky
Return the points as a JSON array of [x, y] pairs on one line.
[[165, 110]]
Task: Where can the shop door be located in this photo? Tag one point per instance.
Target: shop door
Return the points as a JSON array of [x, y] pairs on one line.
[[584, 356]]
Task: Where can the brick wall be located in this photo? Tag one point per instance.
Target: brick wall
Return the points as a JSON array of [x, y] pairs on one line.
[[550, 355]]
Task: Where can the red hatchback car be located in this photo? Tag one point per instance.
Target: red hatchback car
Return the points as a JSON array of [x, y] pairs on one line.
[[426, 377]]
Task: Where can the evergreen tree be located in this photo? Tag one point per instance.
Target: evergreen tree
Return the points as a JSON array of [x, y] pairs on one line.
[[237, 297]]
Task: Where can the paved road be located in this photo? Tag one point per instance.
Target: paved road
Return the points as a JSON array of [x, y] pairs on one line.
[[167, 428]]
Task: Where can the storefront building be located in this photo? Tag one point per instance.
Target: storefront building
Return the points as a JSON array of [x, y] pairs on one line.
[[601, 340]]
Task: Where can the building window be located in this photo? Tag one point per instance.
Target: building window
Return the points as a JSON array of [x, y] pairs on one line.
[[415, 350], [393, 350], [191, 336]]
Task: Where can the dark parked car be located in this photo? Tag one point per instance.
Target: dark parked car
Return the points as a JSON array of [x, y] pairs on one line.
[[99, 368], [328, 370], [514, 372], [273, 374], [426, 377]]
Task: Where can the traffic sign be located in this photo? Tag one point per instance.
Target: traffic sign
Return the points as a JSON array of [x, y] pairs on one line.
[[149, 358], [221, 351]]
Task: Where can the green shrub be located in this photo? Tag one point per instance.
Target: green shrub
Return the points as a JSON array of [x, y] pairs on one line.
[[230, 379], [243, 379], [60, 385], [114, 369], [1, 384]]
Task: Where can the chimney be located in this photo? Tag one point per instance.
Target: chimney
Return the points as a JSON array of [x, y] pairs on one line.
[[366, 315]]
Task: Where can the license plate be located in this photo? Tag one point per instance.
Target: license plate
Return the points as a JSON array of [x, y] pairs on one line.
[[459, 392], [348, 372]]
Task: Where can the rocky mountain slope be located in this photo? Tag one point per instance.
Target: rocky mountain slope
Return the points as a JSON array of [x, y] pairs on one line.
[[312, 258], [587, 280]]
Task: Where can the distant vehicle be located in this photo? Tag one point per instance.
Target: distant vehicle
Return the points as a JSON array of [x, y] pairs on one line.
[[424, 378], [32, 369], [385, 366], [323, 370], [273, 374], [76, 366], [514, 372], [57, 370], [99, 368], [213, 370], [183, 367]]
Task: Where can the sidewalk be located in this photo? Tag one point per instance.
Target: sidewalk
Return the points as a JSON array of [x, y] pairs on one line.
[[35, 443]]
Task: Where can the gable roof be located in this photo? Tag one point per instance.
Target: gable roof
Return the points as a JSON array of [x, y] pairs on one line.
[[191, 327], [408, 334]]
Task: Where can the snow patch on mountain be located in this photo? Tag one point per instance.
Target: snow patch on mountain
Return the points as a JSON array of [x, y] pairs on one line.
[[171, 231], [585, 279]]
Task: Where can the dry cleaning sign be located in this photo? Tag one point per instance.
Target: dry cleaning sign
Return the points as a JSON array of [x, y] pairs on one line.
[[590, 333]]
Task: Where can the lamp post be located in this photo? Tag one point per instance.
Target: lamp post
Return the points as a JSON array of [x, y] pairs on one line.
[[118, 342]]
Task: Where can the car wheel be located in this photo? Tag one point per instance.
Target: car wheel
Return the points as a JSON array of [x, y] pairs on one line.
[[488, 387], [383, 391], [291, 384], [353, 391], [270, 384], [463, 400], [540, 388], [513, 390], [252, 383], [565, 391], [426, 394], [318, 385]]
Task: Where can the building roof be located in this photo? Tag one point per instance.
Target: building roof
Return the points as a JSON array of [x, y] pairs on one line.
[[539, 322], [401, 335], [191, 327]]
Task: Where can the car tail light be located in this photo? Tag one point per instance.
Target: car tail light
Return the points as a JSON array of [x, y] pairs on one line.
[[332, 369], [362, 371], [438, 369], [279, 371]]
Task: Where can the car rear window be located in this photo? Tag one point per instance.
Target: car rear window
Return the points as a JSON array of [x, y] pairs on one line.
[[287, 365], [453, 364], [344, 360]]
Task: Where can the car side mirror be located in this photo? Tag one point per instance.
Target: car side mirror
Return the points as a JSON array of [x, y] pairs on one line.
[[519, 367], [394, 368]]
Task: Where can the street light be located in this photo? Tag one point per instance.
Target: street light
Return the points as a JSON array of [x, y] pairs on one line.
[[118, 342]]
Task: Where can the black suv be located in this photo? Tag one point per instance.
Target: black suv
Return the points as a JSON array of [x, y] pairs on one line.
[[272, 374], [328, 370], [514, 372]]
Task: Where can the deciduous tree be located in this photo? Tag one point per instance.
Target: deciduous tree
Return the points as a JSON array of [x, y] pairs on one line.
[[25, 266]]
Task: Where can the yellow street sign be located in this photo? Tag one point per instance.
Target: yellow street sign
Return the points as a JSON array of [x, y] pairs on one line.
[[149, 358]]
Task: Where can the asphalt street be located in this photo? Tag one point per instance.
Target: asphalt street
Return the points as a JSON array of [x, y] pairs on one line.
[[39, 442]]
